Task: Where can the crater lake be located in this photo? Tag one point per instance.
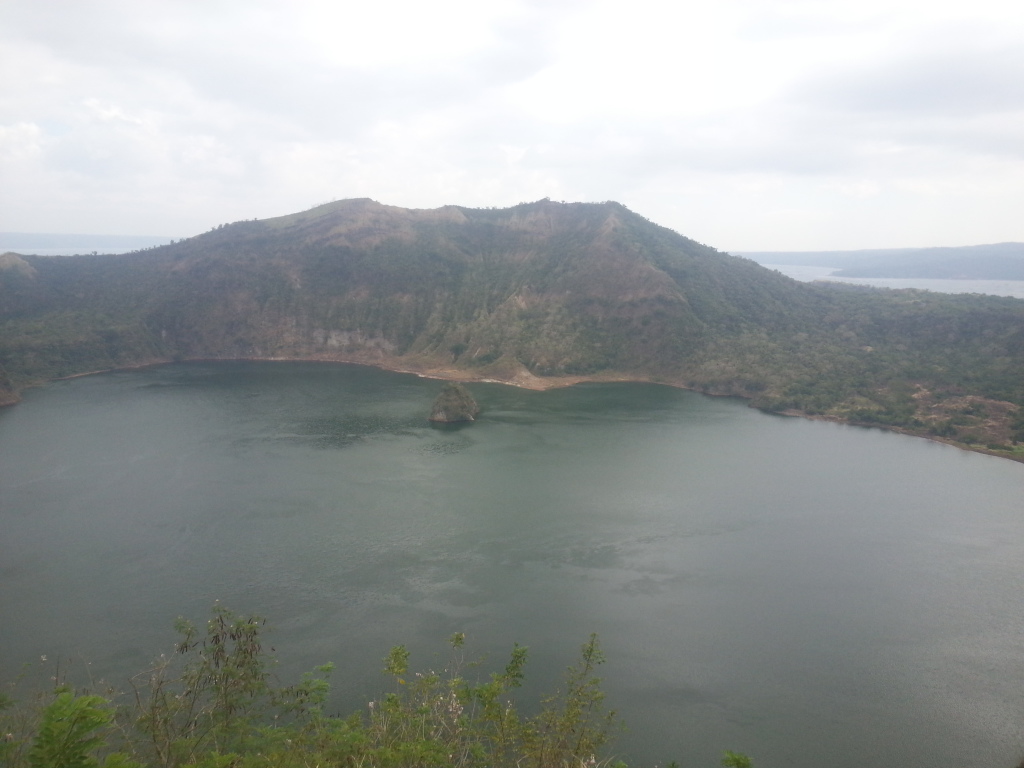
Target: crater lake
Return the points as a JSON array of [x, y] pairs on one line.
[[805, 592]]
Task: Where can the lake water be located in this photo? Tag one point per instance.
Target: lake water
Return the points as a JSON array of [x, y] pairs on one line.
[[807, 274], [809, 593]]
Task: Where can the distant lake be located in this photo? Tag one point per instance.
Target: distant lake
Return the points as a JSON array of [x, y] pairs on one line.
[[49, 244], [806, 274], [809, 593]]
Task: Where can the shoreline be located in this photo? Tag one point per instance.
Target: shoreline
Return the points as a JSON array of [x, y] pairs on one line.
[[523, 379]]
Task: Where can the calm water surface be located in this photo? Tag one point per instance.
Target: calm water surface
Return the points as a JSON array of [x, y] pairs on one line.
[[809, 593], [808, 274]]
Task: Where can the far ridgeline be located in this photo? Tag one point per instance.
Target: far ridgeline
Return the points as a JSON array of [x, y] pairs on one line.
[[540, 294]]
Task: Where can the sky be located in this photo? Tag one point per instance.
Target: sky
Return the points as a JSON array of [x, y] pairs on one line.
[[744, 124]]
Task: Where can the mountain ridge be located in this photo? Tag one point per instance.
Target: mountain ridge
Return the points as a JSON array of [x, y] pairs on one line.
[[538, 294]]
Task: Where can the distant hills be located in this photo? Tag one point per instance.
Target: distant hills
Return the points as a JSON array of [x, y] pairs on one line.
[[540, 294], [999, 261]]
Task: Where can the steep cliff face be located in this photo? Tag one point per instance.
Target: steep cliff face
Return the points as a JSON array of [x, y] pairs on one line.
[[552, 289], [544, 289]]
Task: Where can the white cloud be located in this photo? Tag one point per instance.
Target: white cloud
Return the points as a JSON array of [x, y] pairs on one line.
[[20, 143], [747, 124]]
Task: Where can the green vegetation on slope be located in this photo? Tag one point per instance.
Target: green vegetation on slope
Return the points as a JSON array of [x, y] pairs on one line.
[[524, 294], [214, 703]]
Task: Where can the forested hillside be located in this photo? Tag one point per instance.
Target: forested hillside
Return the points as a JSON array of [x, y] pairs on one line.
[[539, 294]]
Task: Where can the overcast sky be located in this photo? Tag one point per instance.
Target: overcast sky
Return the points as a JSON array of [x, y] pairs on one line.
[[744, 124]]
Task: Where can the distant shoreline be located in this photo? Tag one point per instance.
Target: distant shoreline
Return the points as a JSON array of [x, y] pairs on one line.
[[526, 380], [1013, 289], [57, 244]]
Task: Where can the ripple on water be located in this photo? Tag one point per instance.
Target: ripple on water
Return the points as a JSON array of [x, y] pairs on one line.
[[443, 448]]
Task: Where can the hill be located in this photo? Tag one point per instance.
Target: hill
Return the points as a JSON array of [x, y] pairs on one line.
[[540, 294]]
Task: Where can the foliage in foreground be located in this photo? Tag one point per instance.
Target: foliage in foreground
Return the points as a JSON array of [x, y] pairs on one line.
[[214, 704]]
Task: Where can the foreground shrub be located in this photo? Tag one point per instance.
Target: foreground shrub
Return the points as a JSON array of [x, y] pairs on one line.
[[214, 704]]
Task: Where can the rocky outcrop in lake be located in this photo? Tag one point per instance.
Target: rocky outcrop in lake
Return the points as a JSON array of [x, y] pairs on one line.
[[454, 404]]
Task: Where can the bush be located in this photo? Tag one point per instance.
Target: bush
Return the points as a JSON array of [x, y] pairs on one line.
[[213, 704]]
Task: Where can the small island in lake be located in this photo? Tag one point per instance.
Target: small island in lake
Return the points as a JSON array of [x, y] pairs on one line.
[[454, 404]]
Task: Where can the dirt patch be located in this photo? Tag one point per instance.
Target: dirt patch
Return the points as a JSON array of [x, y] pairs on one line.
[[967, 419]]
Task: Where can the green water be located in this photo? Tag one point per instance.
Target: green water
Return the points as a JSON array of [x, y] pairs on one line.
[[808, 593]]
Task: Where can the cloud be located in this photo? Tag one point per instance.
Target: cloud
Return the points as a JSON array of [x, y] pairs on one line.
[[954, 83], [145, 116]]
